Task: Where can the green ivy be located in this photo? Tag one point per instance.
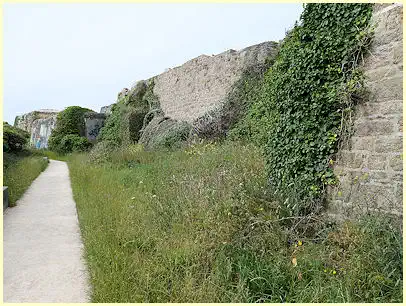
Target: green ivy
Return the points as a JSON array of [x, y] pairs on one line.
[[296, 114]]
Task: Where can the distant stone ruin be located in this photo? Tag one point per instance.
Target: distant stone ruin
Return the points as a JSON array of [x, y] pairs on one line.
[[39, 124]]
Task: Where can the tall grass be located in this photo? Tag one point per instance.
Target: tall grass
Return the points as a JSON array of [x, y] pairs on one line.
[[19, 171], [201, 226]]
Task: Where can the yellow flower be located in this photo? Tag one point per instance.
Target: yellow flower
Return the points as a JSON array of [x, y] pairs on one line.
[[299, 243]]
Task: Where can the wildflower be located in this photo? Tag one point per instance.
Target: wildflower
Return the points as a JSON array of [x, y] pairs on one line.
[[299, 243], [133, 198], [325, 270], [334, 272]]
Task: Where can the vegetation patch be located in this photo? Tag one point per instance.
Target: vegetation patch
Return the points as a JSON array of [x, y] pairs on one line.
[[313, 84], [217, 123], [69, 133], [19, 170], [201, 225], [126, 121], [14, 139]]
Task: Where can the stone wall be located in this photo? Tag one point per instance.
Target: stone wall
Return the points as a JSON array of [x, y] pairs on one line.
[[370, 167], [25, 121], [189, 91]]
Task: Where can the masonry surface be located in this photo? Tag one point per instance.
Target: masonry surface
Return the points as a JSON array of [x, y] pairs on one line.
[[370, 168]]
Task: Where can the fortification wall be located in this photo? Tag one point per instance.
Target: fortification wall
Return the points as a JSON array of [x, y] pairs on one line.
[[370, 167], [189, 91]]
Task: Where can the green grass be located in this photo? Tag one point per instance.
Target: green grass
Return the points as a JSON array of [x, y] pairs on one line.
[[201, 226], [19, 170]]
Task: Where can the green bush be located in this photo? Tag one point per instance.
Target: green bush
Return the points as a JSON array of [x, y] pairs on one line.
[[74, 143], [14, 139], [312, 85], [69, 122]]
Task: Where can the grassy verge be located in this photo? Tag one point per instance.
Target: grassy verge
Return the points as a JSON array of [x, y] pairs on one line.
[[19, 170], [201, 226]]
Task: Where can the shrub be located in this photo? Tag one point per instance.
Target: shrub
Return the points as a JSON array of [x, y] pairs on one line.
[[73, 143], [69, 122], [14, 139], [101, 152]]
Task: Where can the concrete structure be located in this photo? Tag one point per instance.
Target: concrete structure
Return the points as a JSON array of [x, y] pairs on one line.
[[41, 130], [93, 123], [370, 166], [39, 124]]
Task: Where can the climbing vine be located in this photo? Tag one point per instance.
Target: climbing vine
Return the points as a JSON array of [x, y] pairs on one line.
[[296, 116]]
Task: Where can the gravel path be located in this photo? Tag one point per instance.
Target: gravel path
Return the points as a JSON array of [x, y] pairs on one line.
[[42, 245]]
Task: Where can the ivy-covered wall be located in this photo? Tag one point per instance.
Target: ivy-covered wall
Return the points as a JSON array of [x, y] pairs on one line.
[[370, 166]]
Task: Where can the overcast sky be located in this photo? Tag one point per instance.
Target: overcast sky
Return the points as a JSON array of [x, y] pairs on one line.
[[58, 55]]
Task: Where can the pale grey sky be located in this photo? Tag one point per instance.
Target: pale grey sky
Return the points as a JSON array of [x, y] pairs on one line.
[[58, 55]]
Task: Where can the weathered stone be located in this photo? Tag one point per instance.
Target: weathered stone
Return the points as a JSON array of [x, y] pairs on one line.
[[388, 25], [381, 73], [106, 109], [350, 159], [381, 110], [388, 144], [397, 53], [375, 127], [200, 85], [379, 176], [377, 162], [362, 143], [400, 124], [396, 162], [386, 89]]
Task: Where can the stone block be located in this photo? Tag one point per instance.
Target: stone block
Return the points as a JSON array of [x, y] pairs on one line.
[[375, 127], [375, 197], [396, 163], [380, 73], [5, 197], [351, 159], [388, 25], [362, 143], [397, 53], [381, 110], [377, 162], [392, 144], [387, 89], [379, 176]]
